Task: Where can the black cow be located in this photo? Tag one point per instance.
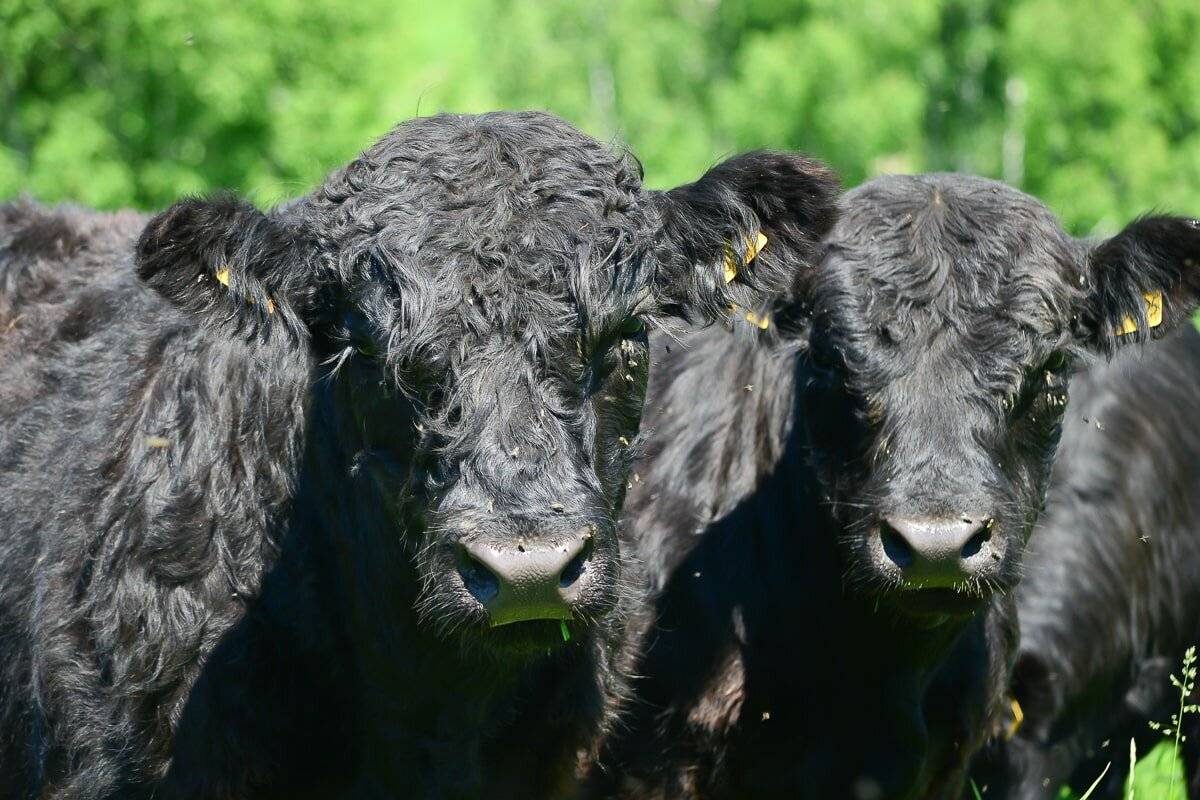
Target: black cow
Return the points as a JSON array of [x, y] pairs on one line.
[[833, 523], [320, 502], [1110, 599]]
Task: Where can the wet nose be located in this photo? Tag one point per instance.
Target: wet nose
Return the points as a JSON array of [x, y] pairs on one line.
[[938, 552], [527, 582]]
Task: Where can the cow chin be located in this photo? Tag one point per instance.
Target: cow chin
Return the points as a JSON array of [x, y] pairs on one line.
[[459, 619]]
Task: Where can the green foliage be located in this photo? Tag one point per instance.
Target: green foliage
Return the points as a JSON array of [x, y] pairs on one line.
[[1157, 772], [1159, 775], [1185, 684], [1089, 104]]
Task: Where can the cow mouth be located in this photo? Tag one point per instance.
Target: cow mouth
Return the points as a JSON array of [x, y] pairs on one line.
[[533, 637], [934, 603]]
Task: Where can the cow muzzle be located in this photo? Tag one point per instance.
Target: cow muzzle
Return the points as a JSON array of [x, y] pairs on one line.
[[528, 582]]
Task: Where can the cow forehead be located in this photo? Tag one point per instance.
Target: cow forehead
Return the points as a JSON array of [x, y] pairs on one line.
[[959, 267], [950, 238], [499, 186], [495, 205], [461, 228]]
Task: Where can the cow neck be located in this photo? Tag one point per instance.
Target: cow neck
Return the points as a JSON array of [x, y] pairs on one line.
[[714, 431]]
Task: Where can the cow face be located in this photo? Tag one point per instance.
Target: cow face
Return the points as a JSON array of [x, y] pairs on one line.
[[484, 287], [939, 335]]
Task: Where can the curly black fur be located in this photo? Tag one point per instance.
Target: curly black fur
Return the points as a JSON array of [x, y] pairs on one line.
[[232, 512], [919, 369], [1110, 599]]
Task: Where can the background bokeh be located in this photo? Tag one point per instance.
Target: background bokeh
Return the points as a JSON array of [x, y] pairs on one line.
[[1090, 104]]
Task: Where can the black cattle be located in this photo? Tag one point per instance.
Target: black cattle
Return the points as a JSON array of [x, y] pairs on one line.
[[1110, 599], [320, 502], [832, 524]]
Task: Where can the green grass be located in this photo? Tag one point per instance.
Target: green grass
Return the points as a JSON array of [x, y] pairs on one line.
[[1152, 780], [1159, 776]]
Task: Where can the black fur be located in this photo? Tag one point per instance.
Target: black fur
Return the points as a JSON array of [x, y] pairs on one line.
[[1110, 600], [918, 369], [232, 513]]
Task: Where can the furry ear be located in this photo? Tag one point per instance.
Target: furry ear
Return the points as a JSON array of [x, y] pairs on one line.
[[1142, 283], [743, 235], [222, 256]]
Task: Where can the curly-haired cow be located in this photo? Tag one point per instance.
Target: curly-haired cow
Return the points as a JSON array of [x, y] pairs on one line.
[[1110, 599], [833, 524], [320, 502]]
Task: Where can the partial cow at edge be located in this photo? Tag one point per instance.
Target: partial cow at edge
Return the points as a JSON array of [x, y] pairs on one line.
[[320, 502], [1110, 598]]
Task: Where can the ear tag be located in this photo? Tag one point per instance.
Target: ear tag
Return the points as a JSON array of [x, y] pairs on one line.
[[1154, 308], [1154, 313], [754, 246], [223, 279], [1014, 724], [760, 322]]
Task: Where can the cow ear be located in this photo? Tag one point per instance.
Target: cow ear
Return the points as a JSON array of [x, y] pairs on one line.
[[1142, 283], [743, 236], [223, 257]]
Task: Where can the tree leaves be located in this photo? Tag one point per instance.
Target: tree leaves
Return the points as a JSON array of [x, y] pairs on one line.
[[1091, 107]]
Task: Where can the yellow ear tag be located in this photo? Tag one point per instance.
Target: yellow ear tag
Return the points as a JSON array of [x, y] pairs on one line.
[[1014, 724], [1154, 313], [754, 246], [223, 279], [762, 323]]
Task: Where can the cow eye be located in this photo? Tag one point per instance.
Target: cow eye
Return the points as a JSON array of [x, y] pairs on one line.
[[631, 327], [1055, 362]]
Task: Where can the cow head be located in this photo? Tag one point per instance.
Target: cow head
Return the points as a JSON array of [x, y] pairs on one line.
[[939, 333], [483, 286]]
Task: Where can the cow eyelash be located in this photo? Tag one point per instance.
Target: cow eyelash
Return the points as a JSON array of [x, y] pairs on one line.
[[633, 326], [1044, 382], [1057, 361], [630, 328]]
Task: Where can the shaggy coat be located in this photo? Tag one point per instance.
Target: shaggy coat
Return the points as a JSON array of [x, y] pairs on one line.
[[1110, 600], [242, 456], [919, 369]]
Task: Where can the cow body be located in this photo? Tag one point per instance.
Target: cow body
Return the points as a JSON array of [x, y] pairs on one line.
[[833, 521], [320, 502], [1110, 601]]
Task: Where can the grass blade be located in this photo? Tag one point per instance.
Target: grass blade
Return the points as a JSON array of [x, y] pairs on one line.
[[1096, 782]]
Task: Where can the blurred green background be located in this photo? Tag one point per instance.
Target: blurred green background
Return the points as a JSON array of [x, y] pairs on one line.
[[1090, 104]]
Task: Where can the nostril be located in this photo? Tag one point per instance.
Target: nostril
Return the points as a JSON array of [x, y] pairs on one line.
[[895, 546], [481, 582], [575, 567], [977, 541]]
